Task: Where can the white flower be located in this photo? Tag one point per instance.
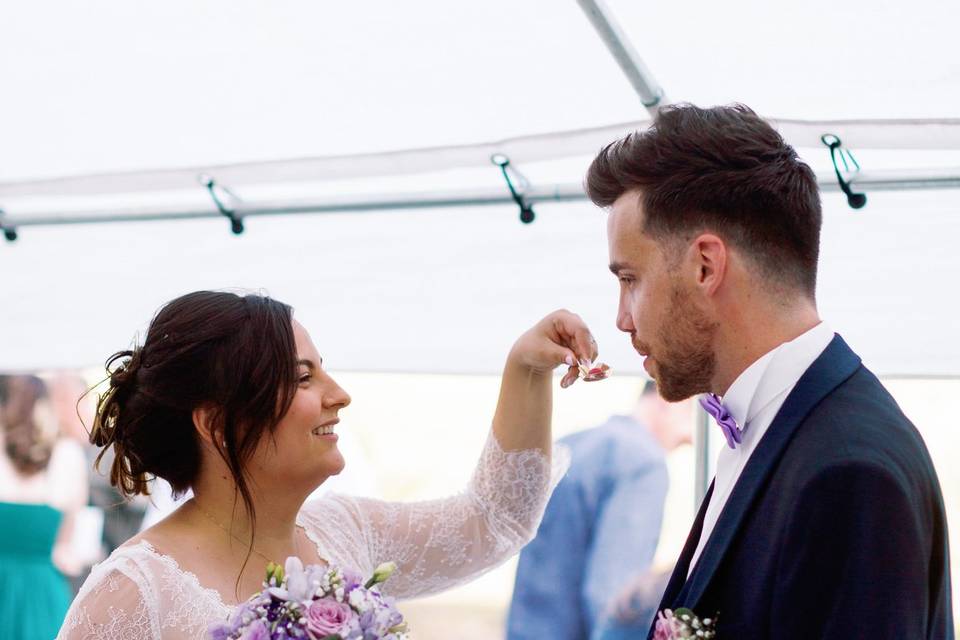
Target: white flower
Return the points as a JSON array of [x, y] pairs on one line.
[[382, 573], [359, 600]]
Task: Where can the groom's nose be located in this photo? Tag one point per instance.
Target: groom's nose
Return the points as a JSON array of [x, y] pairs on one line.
[[625, 320]]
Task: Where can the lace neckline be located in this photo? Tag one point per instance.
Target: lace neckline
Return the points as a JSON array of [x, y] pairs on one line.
[[192, 578]]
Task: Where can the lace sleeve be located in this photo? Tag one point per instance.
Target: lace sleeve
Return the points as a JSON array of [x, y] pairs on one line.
[[439, 544], [111, 605]]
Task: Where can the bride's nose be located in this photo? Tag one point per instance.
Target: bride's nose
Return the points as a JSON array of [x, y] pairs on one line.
[[336, 396]]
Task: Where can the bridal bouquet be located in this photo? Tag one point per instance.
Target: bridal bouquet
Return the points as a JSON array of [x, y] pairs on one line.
[[315, 603]]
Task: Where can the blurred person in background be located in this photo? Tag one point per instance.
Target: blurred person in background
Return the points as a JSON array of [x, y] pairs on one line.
[[630, 614], [108, 519], [42, 486], [602, 524]]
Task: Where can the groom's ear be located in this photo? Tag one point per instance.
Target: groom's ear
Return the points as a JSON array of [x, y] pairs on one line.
[[710, 261]]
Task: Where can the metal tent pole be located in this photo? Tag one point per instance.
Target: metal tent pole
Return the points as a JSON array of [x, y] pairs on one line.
[[562, 192], [651, 93]]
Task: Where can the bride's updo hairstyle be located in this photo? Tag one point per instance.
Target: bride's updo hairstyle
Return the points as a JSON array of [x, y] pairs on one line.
[[232, 355]]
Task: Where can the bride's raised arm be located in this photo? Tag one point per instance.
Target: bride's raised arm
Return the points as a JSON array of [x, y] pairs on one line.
[[438, 544]]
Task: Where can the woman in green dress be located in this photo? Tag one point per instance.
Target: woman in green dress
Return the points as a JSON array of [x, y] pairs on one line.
[[42, 481]]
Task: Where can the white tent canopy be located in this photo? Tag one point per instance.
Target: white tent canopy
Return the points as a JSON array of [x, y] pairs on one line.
[[115, 107]]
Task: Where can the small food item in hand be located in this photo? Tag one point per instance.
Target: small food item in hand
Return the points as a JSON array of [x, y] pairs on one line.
[[592, 372]]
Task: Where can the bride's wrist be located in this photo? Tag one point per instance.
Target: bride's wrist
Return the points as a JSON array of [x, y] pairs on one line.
[[519, 363]]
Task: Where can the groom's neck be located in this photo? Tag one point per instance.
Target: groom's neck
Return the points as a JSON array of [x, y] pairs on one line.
[[755, 325]]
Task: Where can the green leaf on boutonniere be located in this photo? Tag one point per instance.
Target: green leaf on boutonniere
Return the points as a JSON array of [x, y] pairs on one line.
[[685, 615]]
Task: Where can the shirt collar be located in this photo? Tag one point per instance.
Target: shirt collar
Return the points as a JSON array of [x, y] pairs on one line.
[[754, 388]]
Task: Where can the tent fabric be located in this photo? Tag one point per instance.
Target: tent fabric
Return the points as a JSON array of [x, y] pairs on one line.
[[449, 290], [111, 104], [866, 134]]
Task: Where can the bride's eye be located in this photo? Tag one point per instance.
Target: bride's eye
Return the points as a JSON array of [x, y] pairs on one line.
[[304, 378]]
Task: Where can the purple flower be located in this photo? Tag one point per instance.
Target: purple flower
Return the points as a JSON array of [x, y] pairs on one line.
[[388, 617], [351, 580], [219, 631], [351, 630], [327, 616], [256, 631], [299, 587], [314, 574], [243, 614]]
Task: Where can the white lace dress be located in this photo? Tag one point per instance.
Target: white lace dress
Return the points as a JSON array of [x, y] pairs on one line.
[[140, 593]]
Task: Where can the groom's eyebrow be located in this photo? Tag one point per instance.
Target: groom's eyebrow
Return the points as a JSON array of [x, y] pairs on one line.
[[616, 267]]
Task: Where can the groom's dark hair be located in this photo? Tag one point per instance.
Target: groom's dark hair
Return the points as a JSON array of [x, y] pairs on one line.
[[724, 170]]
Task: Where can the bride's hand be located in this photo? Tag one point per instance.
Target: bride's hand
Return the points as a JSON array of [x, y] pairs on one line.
[[561, 338]]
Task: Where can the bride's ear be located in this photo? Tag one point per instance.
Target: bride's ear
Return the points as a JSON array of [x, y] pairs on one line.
[[203, 423]]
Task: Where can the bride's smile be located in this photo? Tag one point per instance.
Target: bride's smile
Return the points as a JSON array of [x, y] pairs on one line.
[[326, 430]]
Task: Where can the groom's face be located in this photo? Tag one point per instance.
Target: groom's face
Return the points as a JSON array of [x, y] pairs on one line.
[[658, 307]]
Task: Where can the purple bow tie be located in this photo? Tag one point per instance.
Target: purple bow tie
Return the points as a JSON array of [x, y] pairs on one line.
[[731, 430]]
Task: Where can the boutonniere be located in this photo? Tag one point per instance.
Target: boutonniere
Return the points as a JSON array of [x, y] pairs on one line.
[[683, 623]]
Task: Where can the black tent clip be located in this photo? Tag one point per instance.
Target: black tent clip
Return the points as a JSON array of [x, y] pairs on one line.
[[855, 200], [236, 221], [9, 231], [526, 209]]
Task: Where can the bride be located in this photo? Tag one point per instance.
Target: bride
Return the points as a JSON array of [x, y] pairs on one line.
[[228, 397]]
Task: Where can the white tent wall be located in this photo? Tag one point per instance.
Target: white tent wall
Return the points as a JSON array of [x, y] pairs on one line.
[[449, 290], [110, 85]]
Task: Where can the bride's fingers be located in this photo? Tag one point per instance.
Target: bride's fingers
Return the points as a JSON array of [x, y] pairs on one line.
[[584, 344], [573, 331], [569, 377]]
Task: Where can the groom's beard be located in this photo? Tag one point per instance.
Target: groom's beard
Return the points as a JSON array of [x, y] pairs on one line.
[[684, 360]]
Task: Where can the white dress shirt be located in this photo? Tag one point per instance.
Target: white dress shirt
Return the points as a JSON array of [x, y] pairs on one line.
[[754, 399]]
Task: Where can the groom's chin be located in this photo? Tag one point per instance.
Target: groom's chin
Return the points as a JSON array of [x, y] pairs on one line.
[[673, 389]]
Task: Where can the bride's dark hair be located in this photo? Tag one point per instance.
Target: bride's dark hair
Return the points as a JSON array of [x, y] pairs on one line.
[[233, 355]]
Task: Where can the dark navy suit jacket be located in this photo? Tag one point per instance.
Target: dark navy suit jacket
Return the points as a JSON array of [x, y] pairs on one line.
[[835, 528]]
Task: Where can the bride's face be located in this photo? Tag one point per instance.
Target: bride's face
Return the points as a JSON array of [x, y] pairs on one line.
[[303, 450]]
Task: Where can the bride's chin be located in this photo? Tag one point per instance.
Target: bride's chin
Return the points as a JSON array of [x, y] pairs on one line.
[[334, 467]]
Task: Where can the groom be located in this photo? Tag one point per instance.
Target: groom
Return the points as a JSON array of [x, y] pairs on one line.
[[825, 518]]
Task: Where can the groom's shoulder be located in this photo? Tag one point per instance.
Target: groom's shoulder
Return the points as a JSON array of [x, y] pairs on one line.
[[859, 425], [861, 399]]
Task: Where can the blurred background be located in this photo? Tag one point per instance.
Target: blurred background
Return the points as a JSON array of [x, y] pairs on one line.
[[355, 141]]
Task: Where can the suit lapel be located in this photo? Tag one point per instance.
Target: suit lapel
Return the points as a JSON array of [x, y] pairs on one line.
[[682, 568], [833, 367]]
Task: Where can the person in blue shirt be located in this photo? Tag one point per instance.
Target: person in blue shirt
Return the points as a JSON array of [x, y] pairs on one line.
[[630, 615], [602, 524]]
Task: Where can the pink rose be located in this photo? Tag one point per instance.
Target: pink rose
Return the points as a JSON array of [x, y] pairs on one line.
[[327, 616], [667, 627]]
